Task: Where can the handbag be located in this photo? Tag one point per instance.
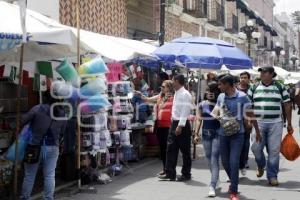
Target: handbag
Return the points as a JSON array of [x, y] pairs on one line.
[[32, 154], [228, 122]]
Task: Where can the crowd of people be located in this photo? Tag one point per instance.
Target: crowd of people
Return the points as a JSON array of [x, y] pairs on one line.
[[232, 110]]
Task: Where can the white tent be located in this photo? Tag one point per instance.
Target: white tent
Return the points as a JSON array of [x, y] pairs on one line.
[[47, 38], [281, 73], [115, 48], [295, 75], [52, 40]]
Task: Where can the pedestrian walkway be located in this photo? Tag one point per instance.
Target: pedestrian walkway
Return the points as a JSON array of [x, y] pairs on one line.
[[142, 184]]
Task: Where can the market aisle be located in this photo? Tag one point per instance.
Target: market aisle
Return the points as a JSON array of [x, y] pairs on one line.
[[143, 185]]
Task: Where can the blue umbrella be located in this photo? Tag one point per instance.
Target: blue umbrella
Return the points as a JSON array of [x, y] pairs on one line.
[[204, 53]]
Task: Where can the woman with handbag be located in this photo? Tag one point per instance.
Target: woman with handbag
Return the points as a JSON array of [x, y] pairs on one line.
[[210, 137], [232, 108], [163, 109], [44, 144]]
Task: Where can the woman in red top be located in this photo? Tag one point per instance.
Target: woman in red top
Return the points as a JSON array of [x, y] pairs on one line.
[[163, 109]]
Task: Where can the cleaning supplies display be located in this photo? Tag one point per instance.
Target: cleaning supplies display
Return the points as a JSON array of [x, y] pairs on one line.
[[69, 74], [94, 66]]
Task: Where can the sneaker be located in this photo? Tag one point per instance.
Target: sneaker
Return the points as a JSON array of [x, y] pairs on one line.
[[260, 173], [234, 196], [211, 192], [183, 178], [273, 182], [166, 178], [161, 173], [244, 172]]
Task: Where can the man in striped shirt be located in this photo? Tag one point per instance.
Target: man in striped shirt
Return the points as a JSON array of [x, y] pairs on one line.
[[268, 96]]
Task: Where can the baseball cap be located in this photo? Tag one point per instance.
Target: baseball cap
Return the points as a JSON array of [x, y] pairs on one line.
[[268, 69]]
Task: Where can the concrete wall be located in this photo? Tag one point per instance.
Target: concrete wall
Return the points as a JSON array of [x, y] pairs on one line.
[[141, 20], [50, 8]]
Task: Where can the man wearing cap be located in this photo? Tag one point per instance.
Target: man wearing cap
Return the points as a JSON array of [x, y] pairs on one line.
[[268, 96]]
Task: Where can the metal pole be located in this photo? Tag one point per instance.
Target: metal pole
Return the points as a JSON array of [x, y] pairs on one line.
[[78, 113], [249, 46], [162, 22], [18, 123]]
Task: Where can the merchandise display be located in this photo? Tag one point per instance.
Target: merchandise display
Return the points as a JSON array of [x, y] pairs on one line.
[[69, 74]]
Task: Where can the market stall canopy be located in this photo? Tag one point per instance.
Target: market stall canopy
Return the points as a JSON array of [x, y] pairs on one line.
[[295, 75], [281, 73], [116, 48], [290, 81], [47, 39], [204, 53]]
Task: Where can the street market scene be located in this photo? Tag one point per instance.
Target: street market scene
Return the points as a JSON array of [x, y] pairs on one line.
[[149, 99]]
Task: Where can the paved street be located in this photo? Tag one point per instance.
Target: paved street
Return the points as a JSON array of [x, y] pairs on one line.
[[143, 184]]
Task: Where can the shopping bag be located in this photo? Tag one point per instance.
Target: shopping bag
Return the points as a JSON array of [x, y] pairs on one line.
[[23, 140], [289, 147]]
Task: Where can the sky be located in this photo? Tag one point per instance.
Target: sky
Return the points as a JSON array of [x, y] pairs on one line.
[[288, 6]]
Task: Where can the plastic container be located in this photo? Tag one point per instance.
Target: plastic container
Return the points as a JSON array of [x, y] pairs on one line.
[[69, 74], [95, 66]]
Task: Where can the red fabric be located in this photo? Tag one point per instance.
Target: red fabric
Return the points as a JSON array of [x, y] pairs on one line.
[[25, 80], [164, 113]]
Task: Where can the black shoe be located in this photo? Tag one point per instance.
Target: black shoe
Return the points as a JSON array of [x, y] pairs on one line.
[[183, 178], [166, 178]]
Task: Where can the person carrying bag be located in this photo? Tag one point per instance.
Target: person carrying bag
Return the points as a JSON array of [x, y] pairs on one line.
[[44, 145]]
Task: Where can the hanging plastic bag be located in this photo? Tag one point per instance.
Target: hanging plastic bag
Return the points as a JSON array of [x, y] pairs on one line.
[[69, 74], [94, 104], [23, 140], [289, 147], [93, 87], [95, 66]]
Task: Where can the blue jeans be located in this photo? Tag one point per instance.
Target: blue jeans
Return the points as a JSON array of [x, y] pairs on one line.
[[48, 157], [271, 138], [231, 148], [211, 144]]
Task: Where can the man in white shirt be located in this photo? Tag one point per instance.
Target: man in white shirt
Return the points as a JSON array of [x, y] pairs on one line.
[[180, 133]]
